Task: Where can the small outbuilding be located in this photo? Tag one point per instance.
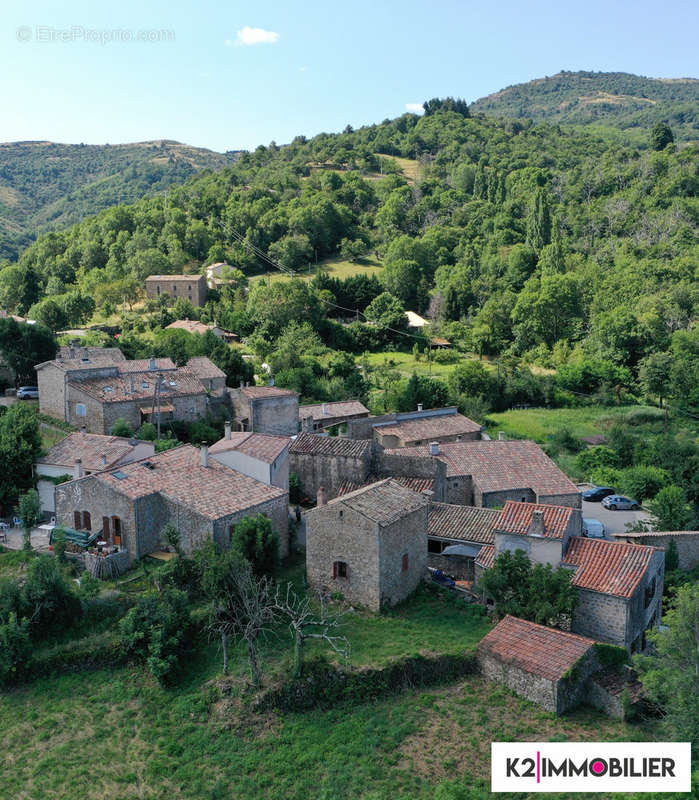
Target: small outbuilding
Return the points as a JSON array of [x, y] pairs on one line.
[[545, 665]]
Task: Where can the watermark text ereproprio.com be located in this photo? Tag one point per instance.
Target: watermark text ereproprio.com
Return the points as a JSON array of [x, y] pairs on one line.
[[48, 34]]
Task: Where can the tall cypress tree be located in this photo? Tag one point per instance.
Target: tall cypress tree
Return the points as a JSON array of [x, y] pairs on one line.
[[539, 222]]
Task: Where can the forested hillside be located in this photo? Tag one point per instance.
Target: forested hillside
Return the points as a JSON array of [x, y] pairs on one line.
[[630, 102], [46, 185], [535, 242]]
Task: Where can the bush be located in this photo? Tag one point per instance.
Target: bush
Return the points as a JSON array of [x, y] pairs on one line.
[[99, 651], [15, 647], [148, 432], [156, 632], [121, 428], [254, 539], [445, 356], [606, 476], [672, 557], [295, 495], [595, 457], [563, 439], [50, 599], [643, 482]]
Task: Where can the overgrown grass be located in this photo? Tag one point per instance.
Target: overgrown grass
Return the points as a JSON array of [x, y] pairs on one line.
[[336, 267], [406, 363]]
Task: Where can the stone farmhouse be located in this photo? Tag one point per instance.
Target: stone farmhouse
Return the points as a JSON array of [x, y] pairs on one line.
[[687, 543], [266, 409], [537, 662], [488, 473], [259, 455], [189, 287], [370, 545], [184, 486], [341, 465], [95, 387], [321, 416], [82, 454], [456, 535], [619, 585]]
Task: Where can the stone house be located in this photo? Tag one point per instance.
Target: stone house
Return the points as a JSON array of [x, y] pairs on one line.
[[320, 416], [687, 543], [370, 545], [210, 376], [455, 536], [416, 428], [204, 499], [620, 585], [547, 666], [329, 461], [259, 455], [82, 454], [488, 473], [620, 589], [266, 409], [189, 287]]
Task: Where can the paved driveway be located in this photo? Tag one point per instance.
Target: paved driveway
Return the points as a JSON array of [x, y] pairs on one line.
[[613, 521]]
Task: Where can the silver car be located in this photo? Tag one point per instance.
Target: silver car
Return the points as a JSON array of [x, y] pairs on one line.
[[617, 502], [28, 393]]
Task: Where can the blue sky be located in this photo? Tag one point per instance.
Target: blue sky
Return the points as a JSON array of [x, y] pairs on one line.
[[234, 75]]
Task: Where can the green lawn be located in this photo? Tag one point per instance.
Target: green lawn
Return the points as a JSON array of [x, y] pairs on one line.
[[51, 436], [406, 364], [337, 267]]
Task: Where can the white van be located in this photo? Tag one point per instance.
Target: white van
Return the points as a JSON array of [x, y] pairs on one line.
[[593, 529]]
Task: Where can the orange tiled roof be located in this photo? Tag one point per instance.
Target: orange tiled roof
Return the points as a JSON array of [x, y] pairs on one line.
[[144, 365], [517, 517], [317, 445], [427, 427], [204, 367], [262, 446], [255, 392], [89, 448], [533, 648], [140, 386], [608, 567], [468, 523], [345, 408], [215, 491], [384, 502], [499, 466], [486, 556]]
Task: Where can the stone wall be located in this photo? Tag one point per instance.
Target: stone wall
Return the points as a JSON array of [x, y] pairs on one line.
[[275, 415], [459, 490], [337, 533], [330, 472], [539, 550], [386, 465], [601, 616], [573, 500], [405, 537], [191, 288], [687, 544], [51, 382], [461, 568], [498, 499], [364, 428], [642, 616], [533, 687]]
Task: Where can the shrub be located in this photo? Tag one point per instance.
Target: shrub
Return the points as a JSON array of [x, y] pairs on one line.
[[295, 495], [50, 599], [59, 545], [15, 647], [563, 439], [672, 557], [445, 356], [595, 457], [606, 476], [156, 632], [148, 432], [98, 651], [643, 482], [121, 428], [671, 510], [255, 540]]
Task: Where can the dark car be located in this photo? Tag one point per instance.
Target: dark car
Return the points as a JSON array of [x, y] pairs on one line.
[[597, 493]]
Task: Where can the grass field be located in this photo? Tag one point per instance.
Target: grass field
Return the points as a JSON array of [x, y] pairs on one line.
[[51, 436], [406, 363], [337, 267], [409, 166]]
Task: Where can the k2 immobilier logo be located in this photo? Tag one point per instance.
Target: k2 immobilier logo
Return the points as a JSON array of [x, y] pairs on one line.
[[591, 767]]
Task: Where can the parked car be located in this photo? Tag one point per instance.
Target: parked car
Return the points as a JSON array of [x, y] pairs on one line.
[[28, 393], [617, 502], [597, 493], [593, 528]]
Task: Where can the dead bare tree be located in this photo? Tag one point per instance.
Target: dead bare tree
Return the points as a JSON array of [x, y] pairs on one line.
[[306, 623], [242, 606]]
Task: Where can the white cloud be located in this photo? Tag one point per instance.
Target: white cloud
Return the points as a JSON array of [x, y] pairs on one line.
[[249, 36], [414, 108], [303, 69]]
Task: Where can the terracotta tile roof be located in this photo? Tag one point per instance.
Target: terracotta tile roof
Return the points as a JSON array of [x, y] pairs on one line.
[[486, 556], [517, 518], [424, 428], [347, 408], [144, 365], [262, 446], [214, 491], [192, 278], [384, 502], [462, 522], [533, 648], [90, 448], [189, 325], [314, 444], [499, 466], [140, 386], [414, 484], [71, 359], [614, 568], [256, 392], [204, 367]]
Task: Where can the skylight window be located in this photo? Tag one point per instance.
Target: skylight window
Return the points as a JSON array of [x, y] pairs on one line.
[[145, 385], [119, 475]]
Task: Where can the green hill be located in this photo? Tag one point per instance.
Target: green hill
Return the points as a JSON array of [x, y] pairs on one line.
[[46, 186], [610, 98]]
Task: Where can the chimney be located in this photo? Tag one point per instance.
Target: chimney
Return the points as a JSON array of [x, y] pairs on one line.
[[243, 384], [152, 365], [501, 436], [537, 526], [324, 409], [321, 498], [79, 468], [132, 384], [419, 406], [227, 427], [307, 424], [83, 429], [205, 455], [434, 448]]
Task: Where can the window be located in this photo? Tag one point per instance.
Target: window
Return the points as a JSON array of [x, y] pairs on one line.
[[339, 569], [404, 565], [174, 289], [456, 484], [189, 289], [82, 521], [87, 522], [649, 594], [80, 410], [157, 289], [434, 546]]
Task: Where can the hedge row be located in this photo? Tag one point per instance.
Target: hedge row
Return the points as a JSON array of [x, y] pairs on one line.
[[91, 652], [324, 685]]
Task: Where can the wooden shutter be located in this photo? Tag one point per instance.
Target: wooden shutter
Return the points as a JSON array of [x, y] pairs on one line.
[[105, 527], [77, 521], [87, 522], [335, 569]]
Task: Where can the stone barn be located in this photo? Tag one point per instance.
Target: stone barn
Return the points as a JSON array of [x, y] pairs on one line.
[[330, 462], [547, 666], [370, 545], [266, 409]]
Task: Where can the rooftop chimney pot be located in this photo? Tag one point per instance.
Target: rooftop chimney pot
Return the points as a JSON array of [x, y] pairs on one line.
[[419, 406], [205, 455], [321, 499], [79, 468], [501, 436], [227, 427], [152, 364], [434, 448], [537, 526]]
